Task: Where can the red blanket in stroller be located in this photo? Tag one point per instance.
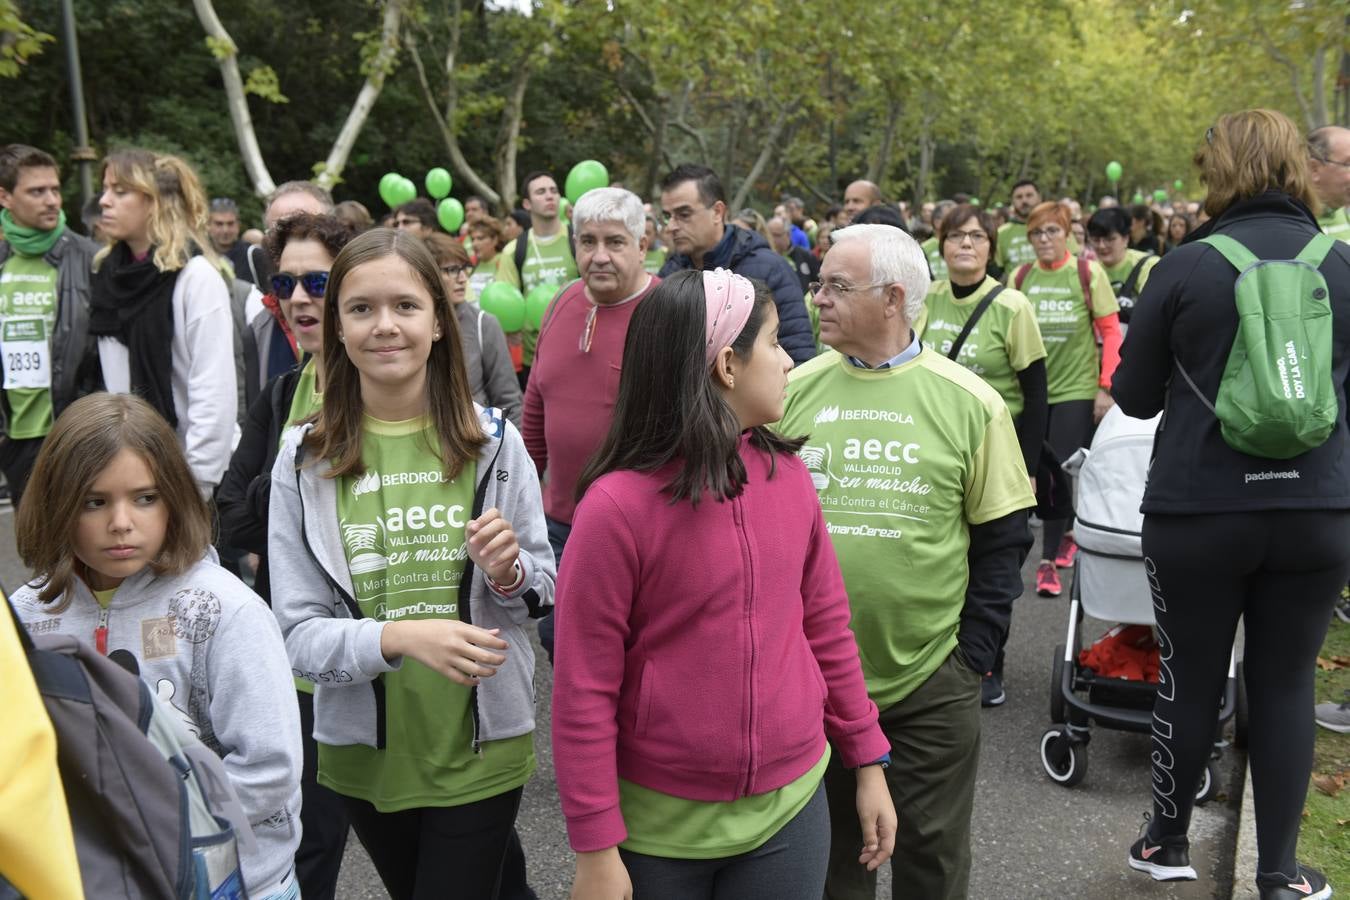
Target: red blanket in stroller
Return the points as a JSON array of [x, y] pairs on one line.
[[1126, 651]]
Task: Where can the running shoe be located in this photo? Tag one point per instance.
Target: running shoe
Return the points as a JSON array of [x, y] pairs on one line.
[[1310, 885], [1047, 580], [1068, 549], [1342, 607], [1168, 860], [991, 691], [1334, 716]]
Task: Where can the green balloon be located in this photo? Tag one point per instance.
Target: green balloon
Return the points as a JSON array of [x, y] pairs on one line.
[[537, 301], [1177, 185], [1137, 198], [1160, 195], [450, 213], [585, 176], [565, 208], [504, 301], [406, 190], [389, 188], [974, 201], [1114, 171], [438, 183]]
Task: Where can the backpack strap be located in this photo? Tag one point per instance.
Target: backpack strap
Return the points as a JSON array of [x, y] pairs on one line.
[[522, 248], [1085, 281], [1021, 275], [1196, 390], [1316, 250], [1238, 256], [985, 303], [1127, 289]]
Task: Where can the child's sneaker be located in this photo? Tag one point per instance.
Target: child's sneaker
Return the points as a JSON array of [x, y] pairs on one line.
[[1334, 716], [1068, 549], [1047, 580], [1310, 885]]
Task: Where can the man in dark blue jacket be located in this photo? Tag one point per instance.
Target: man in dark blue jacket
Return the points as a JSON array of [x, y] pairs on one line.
[[695, 209]]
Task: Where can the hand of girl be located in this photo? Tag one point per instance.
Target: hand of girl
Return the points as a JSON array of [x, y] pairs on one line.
[[876, 815], [493, 547], [601, 876], [461, 652]]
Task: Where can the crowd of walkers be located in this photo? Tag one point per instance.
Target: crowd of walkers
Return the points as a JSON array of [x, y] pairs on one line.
[[792, 462]]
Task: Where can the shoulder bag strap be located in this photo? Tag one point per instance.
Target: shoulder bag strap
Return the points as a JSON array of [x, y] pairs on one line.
[[970, 323]]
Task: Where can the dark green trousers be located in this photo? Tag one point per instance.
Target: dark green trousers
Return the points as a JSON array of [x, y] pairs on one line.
[[935, 754]]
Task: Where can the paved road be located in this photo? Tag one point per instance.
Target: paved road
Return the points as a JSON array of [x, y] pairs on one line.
[[1032, 838]]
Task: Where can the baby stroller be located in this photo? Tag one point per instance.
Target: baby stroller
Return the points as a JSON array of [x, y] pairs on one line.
[[1111, 583]]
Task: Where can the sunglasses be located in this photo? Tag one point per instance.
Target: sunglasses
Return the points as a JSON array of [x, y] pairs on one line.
[[314, 283]]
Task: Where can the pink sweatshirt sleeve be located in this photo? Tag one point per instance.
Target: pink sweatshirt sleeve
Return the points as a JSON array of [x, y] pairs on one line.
[[594, 598], [1108, 329], [850, 715]]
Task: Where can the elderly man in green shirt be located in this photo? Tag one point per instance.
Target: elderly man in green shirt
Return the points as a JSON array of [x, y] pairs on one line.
[[1329, 167], [925, 498]]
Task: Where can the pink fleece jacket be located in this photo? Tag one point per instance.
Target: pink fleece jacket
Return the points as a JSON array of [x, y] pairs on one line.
[[701, 652]]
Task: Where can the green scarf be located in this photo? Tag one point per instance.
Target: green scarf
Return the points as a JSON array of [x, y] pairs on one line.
[[31, 241]]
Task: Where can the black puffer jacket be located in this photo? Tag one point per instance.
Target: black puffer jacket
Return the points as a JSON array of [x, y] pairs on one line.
[[1187, 314], [747, 253]]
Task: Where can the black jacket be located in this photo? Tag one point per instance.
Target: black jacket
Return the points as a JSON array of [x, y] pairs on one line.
[[747, 253], [245, 492], [1187, 314]]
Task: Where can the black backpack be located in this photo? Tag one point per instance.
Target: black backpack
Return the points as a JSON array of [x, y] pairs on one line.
[[151, 808]]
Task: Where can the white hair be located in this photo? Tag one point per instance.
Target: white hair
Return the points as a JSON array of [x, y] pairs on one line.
[[610, 204], [896, 259]]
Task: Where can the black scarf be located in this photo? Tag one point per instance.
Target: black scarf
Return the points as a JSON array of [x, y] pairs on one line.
[[133, 302]]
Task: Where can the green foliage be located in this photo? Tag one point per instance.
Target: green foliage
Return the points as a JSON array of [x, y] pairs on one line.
[[262, 81], [19, 41]]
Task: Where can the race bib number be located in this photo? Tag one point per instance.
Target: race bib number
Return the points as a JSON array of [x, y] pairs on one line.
[[27, 353]]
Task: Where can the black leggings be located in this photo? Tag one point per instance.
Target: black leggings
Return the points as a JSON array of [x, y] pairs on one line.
[[1280, 571], [1068, 426], [453, 851]]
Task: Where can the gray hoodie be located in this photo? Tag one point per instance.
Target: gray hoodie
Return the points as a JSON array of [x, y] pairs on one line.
[[313, 596], [210, 648]]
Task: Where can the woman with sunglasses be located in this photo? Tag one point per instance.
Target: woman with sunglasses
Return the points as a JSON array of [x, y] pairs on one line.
[[160, 305], [302, 248], [1002, 344], [492, 376], [1075, 308]]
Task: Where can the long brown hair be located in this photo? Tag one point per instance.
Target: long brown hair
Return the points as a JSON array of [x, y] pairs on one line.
[[668, 407], [84, 440], [1247, 153], [336, 435]]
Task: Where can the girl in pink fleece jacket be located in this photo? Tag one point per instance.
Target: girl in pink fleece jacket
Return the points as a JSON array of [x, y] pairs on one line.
[[704, 654]]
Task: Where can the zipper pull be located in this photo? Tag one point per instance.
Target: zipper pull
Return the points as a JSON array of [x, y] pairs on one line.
[[101, 632]]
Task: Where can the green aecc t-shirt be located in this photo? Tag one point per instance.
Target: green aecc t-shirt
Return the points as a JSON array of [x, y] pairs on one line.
[[27, 317], [1003, 342], [905, 460], [402, 528], [1072, 365]]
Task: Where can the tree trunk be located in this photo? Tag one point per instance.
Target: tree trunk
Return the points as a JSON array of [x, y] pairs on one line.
[[876, 172], [508, 136], [739, 116], [445, 119], [766, 152], [227, 54], [380, 67], [1319, 92], [658, 153]]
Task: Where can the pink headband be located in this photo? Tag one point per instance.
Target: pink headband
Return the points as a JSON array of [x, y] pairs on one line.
[[730, 298]]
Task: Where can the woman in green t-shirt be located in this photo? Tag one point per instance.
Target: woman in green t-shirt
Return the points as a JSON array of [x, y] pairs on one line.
[[1075, 308], [408, 551], [1128, 269], [1003, 345]]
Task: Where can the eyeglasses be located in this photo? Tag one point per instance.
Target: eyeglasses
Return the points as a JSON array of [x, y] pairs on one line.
[[1332, 162], [1048, 234], [683, 214], [314, 283], [975, 237], [819, 288], [454, 271]]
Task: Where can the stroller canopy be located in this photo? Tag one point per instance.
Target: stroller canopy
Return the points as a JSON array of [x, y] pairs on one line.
[[1110, 485]]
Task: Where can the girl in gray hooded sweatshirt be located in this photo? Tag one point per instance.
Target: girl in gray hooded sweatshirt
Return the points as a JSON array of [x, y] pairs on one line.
[[120, 535]]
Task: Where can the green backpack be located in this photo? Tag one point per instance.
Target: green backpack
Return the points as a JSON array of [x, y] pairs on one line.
[[1276, 398]]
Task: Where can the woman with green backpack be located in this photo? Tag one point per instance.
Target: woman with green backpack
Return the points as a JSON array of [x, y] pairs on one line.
[[1242, 338]]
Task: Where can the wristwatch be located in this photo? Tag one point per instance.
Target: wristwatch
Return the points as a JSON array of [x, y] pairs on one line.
[[884, 762]]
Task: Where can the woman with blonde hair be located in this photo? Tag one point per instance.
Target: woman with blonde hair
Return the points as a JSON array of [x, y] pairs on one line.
[[160, 305], [1230, 533]]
